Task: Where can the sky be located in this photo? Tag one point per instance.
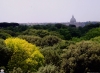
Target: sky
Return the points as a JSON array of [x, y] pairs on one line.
[[40, 11]]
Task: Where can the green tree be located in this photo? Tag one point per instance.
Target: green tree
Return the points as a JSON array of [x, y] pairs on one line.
[[4, 35], [96, 39], [75, 32], [5, 54], [55, 33], [92, 33], [48, 69], [31, 39], [81, 58], [88, 27], [16, 70], [50, 40], [65, 33], [51, 56], [75, 39], [40, 33]]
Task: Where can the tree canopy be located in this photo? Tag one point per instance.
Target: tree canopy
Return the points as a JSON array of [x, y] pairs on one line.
[[25, 55], [49, 48]]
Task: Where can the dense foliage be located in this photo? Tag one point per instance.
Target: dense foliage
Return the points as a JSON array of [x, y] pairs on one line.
[[82, 57], [24, 55], [50, 48]]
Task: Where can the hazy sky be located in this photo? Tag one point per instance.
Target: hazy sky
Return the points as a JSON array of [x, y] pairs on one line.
[[24, 11]]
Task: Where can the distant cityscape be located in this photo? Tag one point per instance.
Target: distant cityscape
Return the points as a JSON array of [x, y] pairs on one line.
[[79, 24], [71, 22]]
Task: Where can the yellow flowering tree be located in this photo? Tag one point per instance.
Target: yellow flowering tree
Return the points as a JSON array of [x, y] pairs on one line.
[[25, 55]]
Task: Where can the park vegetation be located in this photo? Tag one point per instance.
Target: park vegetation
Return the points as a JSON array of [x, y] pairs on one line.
[[50, 48]]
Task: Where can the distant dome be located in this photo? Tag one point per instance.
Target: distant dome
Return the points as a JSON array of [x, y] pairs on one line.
[[72, 20]]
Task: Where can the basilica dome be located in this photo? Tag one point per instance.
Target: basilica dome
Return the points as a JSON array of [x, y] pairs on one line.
[[72, 20]]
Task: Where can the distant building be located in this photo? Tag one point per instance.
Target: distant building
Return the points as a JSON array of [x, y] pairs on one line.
[[74, 22]]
